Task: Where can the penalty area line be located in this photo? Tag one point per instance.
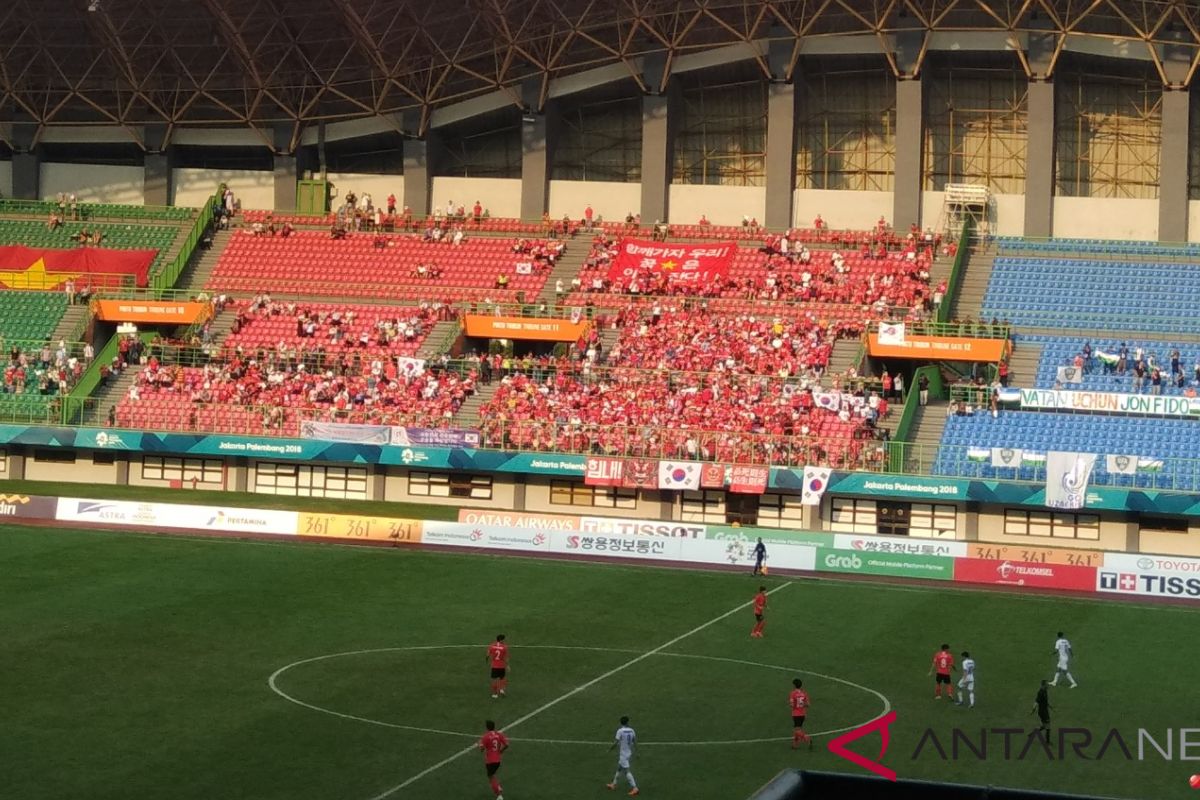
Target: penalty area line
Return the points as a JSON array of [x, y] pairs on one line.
[[583, 687]]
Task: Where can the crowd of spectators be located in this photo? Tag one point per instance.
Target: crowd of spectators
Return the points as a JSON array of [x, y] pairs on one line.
[[246, 395], [297, 328], [779, 271], [48, 371]]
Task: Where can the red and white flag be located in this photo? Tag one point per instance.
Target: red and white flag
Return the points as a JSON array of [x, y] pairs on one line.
[[816, 481], [679, 475]]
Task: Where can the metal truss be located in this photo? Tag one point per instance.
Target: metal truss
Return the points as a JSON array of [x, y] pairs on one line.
[[276, 66]]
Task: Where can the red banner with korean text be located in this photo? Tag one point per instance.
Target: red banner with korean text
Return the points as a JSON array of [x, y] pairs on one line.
[[604, 472], [748, 479], [93, 267], [680, 264]]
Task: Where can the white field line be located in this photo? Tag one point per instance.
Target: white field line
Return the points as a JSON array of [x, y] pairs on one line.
[[580, 688]]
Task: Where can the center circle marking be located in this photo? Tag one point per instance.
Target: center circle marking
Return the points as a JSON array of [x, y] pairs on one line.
[[273, 683]]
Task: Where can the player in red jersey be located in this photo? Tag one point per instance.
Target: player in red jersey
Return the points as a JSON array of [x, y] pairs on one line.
[[798, 700], [943, 663], [493, 744], [760, 609], [497, 656]]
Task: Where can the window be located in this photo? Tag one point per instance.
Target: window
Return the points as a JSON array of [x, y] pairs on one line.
[[779, 510], [1051, 525], [305, 480], [208, 472], [1108, 135], [846, 129], [601, 140], [572, 493], [104, 459], [703, 506], [3, 461], [722, 130], [933, 521], [487, 146], [449, 484], [55, 456], [1163, 525], [975, 127], [853, 516]]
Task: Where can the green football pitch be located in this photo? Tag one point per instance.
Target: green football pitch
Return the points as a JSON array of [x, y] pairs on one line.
[[142, 666]]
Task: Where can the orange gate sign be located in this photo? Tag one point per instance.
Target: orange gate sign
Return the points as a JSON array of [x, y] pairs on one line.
[[152, 311], [546, 330], [940, 348]]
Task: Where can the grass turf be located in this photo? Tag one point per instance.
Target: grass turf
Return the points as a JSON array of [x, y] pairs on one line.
[[137, 667]]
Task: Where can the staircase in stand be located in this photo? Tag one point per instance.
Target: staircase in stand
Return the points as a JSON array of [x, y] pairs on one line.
[[468, 412], [202, 263], [69, 324], [1023, 365], [108, 396], [566, 268], [844, 355], [434, 343], [976, 274], [926, 437]]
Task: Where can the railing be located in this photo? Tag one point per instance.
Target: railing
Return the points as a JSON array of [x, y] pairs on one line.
[[53, 282], [33, 347], [1119, 324], [1174, 474], [961, 330], [31, 408], [956, 273], [97, 211], [1082, 248], [166, 277]]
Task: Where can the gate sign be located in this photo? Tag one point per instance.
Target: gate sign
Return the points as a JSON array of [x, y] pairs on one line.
[[681, 264]]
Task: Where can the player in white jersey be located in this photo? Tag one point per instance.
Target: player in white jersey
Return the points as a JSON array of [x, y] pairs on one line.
[[966, 684], [625, 741], [1062, 646]]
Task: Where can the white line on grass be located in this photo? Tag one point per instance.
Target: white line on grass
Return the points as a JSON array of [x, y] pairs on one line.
[[580, 688]]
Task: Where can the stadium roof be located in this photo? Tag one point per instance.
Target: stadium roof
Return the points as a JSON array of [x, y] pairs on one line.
[[278, 63]]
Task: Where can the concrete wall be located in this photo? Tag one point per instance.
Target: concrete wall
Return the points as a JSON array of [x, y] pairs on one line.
[[378, 186], [723, 205], [608, 199], [1113, 535], [82, 471], [95, 183], [396, 490], [841, 209], [1105, 218], [5, 179], [1008, 216], [1193, 215], [1170, 544], [500, 196], [192, 187]]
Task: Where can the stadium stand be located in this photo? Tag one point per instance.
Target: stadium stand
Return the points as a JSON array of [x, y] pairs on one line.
[[1099, 372], [30, 315], [1015, 245], [1155, 442], [364, 265], [297, 328], [273, 397], [1097, 294], [892, 278]]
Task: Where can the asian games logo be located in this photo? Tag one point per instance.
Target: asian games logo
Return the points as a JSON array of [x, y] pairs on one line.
[[735, 551], [104, 439]]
